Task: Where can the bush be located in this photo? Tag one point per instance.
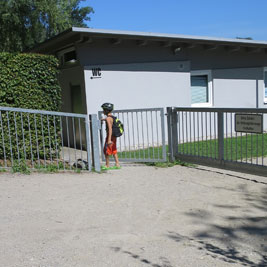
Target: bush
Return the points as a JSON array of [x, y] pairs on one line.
[[29, 81]]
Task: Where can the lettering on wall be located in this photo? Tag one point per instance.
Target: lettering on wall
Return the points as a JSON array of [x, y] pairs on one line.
[[96, 73]]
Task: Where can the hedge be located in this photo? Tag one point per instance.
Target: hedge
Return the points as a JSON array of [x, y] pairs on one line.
[[29, 81]]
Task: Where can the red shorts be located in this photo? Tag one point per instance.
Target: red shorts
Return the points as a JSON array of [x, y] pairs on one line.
[[112, 149]]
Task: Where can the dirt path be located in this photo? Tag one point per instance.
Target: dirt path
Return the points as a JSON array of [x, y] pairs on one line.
[[137, 216]]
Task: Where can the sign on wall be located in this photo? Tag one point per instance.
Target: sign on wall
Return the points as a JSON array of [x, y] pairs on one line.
[[249, 123]]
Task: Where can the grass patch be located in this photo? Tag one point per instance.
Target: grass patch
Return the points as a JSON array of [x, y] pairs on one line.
[[20, 167], [235, 148]]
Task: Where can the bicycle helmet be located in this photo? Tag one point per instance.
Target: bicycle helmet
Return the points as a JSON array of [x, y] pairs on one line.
[[107, 106]]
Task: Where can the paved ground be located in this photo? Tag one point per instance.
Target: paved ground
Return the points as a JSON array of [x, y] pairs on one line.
[[137, 216]]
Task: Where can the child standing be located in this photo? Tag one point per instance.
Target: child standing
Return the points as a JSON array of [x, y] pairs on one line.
[[110, 147]]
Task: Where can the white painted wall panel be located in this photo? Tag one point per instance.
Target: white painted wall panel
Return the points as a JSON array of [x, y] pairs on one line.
[[139, 85]]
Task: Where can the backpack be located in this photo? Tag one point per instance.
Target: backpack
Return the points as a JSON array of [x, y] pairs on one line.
[[117, 127]]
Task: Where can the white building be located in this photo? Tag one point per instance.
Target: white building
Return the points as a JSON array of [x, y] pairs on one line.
[[138, 70]]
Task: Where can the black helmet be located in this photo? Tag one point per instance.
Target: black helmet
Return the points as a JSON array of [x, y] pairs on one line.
[[107, 106]]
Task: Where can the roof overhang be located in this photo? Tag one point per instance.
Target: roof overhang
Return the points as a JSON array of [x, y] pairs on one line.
[[76, 35]]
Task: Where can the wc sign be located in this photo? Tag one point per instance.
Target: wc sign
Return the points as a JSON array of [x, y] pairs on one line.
[[96, 73]]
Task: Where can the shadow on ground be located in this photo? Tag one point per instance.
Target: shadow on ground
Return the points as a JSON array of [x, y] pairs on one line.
[[163, 260], [238, 239]]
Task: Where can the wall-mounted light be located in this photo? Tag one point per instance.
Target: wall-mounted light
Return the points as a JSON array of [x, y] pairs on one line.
[[176, 50]]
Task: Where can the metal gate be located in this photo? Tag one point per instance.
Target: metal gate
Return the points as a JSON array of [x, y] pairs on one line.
[[144, 135], [213, 136]]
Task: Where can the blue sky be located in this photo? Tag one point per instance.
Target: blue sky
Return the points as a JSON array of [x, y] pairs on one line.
[[219, 18]]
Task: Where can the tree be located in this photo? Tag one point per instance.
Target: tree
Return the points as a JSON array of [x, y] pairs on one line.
[[25, 23]]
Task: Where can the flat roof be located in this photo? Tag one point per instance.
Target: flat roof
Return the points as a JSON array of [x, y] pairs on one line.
[[75, 34]]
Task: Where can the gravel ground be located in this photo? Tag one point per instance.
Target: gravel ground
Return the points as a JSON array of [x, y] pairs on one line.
[[136, 216]]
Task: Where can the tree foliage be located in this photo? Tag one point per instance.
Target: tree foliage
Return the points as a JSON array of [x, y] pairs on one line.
[[25, 23]]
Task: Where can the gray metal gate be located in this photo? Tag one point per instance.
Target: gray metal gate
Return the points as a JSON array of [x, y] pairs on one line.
[[208, 136], [144, 135], [40, 139]]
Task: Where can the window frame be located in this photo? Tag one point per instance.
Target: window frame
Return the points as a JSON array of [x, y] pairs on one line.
[[264, 97], [208, 73]]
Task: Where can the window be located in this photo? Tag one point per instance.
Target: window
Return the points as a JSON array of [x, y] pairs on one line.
[[265, 86], [201, 88]]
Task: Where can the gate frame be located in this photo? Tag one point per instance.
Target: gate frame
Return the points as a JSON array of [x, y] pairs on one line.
[[220, 162], [162, 125]]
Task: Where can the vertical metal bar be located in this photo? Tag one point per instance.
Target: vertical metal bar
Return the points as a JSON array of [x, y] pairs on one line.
[[226, 139], [183, 130], [198, 133], [231, 136], [147, 136], [37, 144], [251, 147], [88, 143], [206, 118], [202, 133], [74, 141], [152, 130], [257, 160], [210, 138], [133, 136], [246, 147], [262, 149], [3, 139], [124, 138], [10, 142], [55, 132], [100, 113], [236, 147], [49, 139], [30, 136], [179, 129], [43, 139], [68, 140], [144, 155], [170, 137], [129, 141], [190, 131], [163, 134], [175, 132], [221, 136], [137, 122], [80, 135], [62, 143], [241, 147], [194, 126], [157, 127], [95, 142], [23, 139], [16, 132], [186, 131], [215, 136], [119, 138]]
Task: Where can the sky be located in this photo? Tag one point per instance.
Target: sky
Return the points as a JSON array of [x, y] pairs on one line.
[[214, 18]]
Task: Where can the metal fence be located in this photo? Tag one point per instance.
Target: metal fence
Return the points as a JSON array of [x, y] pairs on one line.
[[144, 135], [209, 136], [45, 140]]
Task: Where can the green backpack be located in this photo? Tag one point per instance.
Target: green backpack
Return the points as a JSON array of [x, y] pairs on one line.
[[117, 127]]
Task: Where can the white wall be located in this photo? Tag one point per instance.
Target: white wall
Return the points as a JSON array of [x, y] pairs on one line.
[[156, 84], [237, 88]]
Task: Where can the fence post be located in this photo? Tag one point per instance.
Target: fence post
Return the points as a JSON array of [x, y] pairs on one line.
[[169, 126], [95, 142], [88, 143], [172, 133], [163, 133], [220, 136]]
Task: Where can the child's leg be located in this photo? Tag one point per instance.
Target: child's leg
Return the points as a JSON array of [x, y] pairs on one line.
[[107, 160], [116, 160]]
